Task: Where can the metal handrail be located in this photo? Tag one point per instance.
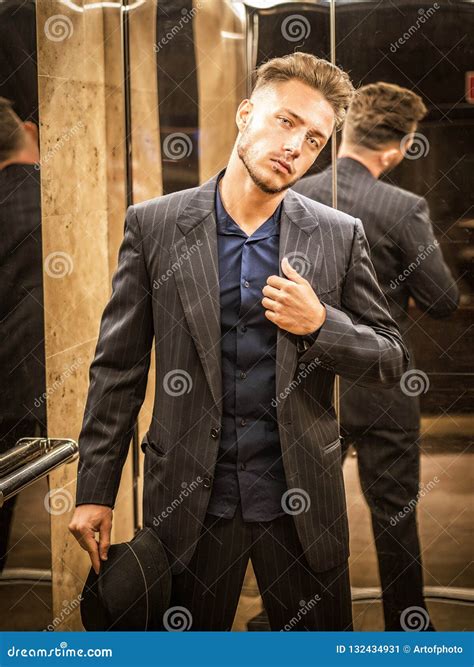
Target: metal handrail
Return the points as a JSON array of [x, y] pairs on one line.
[[31, 459]]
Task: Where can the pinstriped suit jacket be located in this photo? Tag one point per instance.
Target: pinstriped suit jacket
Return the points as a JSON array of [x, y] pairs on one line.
[[167, 286], [408, 262]]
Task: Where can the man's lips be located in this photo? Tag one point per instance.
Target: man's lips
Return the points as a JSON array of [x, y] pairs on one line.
[[282, 166]]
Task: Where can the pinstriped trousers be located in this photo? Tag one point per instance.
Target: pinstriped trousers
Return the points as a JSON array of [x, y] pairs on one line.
[[295, 597]]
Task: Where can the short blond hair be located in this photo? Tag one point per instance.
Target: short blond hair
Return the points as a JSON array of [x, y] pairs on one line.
[[382, 113], [330, 80]]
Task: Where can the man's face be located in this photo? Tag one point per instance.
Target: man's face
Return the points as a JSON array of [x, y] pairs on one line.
[[282, 131]]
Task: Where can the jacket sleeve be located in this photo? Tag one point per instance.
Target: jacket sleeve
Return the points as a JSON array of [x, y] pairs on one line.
[[360, 342], [118, 374], [427, 276]]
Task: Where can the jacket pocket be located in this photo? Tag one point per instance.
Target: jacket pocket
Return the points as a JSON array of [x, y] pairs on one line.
[[152, 445], [327, 449]]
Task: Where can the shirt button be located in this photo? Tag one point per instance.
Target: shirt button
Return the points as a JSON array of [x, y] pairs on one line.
[[214, 433], [206, 482], [246, 283], [243, 328], [242, 466], [243, 421], [243, 375]]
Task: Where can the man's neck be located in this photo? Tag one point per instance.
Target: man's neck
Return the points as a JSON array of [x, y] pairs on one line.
[[368, 162], [244, 201]]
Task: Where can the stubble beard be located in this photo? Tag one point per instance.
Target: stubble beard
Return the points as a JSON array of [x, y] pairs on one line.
[[244, 151]]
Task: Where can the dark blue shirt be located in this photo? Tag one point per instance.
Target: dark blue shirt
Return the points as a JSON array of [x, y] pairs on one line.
[[249, 468]]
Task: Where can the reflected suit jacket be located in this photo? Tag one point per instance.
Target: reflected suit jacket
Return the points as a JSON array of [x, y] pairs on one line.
[[166, 287], [408, 262]]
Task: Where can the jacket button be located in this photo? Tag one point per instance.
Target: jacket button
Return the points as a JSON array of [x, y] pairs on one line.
[[214, 433], [206, 482]]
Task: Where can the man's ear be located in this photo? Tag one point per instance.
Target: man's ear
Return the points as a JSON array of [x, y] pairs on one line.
[[390, 156], [244, 111]]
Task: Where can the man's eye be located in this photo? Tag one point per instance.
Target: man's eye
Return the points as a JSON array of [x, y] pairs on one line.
[[285, 120], [314, 142]]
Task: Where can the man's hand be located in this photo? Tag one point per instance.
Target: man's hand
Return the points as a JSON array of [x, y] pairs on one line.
[[291, 302], [88, 520]]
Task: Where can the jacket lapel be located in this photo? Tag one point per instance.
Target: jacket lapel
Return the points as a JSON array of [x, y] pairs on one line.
[[300, 242], [195, 256]]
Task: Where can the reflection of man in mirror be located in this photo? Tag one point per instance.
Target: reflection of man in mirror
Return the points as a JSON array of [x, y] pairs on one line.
[[18, 139], [242, 456], [384, 424], [22, 379]]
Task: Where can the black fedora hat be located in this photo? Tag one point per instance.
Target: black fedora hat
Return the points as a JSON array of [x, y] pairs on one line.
[[133, 588]]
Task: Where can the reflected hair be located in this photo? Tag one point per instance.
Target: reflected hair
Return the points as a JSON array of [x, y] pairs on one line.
[[11, 132], [381, 113], [330, 80]]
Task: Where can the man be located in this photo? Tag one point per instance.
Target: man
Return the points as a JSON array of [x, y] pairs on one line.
[[384, 424], [22, 377], [242, 458]]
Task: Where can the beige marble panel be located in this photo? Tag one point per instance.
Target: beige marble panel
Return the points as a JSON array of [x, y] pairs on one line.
[[220, 57], [147, 176], [83, 208]]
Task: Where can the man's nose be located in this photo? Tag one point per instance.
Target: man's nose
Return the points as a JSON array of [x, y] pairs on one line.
[[292, 149]]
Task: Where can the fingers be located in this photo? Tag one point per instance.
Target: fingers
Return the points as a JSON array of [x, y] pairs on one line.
[[104, 537], [87, 520], [292, 273], [88, 542]]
